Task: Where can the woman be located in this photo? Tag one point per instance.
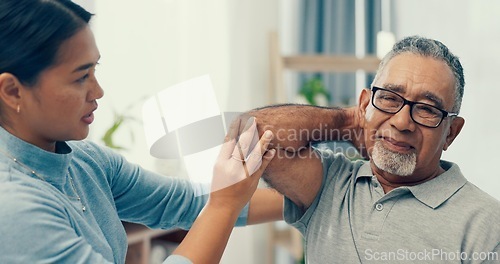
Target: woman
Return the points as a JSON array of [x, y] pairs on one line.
[[62, 199]]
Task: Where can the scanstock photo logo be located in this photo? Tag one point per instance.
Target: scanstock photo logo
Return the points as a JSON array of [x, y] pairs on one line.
[[184, 122]]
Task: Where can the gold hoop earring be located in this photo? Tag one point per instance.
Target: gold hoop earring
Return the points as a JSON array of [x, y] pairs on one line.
[[18, 109]]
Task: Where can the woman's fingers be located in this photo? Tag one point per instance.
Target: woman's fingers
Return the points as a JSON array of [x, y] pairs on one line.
[[254, 160], [266, 159], [246, 141], [230, 140], [235, 169]]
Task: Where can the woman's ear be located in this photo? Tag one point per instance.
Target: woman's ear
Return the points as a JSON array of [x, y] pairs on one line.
[[10, 90], [455, 127]]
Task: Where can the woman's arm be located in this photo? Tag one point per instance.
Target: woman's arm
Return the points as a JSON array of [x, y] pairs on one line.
[[236, 175], [265, 206]]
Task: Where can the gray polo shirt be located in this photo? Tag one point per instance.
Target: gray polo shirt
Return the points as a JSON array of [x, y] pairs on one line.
[[444, 220]]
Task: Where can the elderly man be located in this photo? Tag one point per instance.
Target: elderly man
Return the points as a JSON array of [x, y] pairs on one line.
[[405, 203]]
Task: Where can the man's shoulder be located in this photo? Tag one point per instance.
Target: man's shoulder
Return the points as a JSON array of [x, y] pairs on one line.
[[468, 195], [478, 209], [478, 197], [480, 213]]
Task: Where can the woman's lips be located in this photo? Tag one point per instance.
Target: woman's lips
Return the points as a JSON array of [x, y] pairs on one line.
[[88, 119]]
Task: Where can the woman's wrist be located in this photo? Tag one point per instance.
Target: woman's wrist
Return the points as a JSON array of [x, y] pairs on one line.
[[226, 208]]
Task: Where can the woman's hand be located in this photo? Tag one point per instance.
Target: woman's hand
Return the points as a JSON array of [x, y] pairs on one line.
[[241, 162], [237, 171]]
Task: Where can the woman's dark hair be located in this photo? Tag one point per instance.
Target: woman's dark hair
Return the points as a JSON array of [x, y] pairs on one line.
[[31, 32]]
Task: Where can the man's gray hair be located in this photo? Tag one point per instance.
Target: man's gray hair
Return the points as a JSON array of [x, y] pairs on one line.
[[434, 49]]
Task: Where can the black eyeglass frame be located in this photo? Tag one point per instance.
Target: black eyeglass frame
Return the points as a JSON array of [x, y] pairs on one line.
[[411, 104]]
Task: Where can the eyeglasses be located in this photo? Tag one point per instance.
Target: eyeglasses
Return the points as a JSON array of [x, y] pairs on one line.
[[421, 113]]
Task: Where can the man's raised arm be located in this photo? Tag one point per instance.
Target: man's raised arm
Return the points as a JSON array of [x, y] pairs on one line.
[[296, 171]]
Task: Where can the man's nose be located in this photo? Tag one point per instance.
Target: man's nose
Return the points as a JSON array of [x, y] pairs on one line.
[[402, 120]]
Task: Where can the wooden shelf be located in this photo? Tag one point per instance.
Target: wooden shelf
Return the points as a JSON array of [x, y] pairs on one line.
[[330, 63], [309, 63], [140, 239]]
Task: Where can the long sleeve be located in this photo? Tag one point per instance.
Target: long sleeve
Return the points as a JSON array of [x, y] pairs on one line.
[[176, 259], [145, 197]]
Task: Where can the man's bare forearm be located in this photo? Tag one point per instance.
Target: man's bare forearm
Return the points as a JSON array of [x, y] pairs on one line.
[[296, 126], [296, 170]]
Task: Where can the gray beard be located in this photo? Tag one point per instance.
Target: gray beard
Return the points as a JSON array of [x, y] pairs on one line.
[[393, 162]]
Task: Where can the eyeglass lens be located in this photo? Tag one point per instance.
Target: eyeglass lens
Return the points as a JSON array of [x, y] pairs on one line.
[[391, 102]]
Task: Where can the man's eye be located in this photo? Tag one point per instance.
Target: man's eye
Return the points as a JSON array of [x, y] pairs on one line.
[[428, 111], [390, 98]]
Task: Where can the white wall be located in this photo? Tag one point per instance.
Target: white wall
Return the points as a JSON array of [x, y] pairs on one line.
[[147, 46], [471, 29]]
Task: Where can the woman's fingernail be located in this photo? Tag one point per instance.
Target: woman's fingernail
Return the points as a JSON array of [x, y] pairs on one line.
[[249, 123], [268, 134]]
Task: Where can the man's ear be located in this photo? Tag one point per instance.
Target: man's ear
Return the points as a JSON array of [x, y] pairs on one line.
[[364, 100], [10, 90], [455, 127]]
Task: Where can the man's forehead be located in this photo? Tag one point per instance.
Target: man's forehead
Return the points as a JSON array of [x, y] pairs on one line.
[[419, 75]]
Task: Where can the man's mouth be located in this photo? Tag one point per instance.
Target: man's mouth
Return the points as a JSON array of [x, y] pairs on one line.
[[398, 146]]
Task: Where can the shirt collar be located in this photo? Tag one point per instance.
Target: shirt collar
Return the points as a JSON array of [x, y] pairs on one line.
[[364, 171], [434, 192], [53, 167]]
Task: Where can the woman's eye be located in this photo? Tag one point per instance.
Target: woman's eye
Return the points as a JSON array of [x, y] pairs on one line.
[[83, 79], [90, 72]]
